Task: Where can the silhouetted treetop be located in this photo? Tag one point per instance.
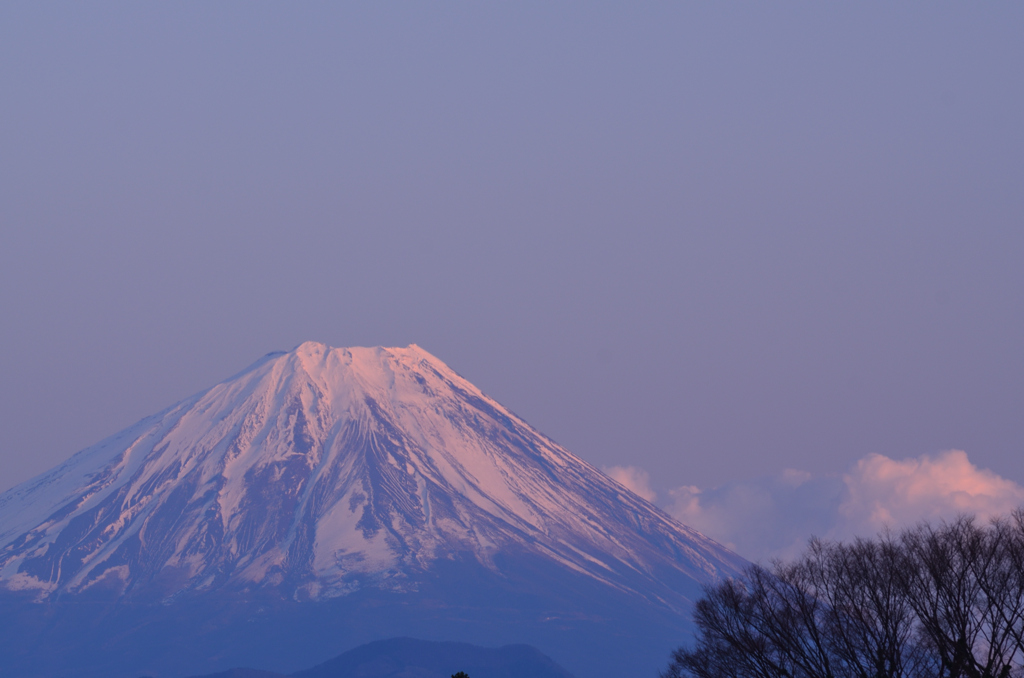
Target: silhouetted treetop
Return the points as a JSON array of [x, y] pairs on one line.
[[930, 602]]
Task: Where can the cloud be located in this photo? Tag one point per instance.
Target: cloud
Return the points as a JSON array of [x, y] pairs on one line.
[[633, 478], [767, 517], [881, 491], [774, 516]]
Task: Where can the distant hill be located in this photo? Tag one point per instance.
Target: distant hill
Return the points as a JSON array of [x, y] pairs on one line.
[[412, 658], [244, 673]]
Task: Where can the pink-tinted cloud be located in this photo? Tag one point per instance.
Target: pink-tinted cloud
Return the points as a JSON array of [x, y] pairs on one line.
[[774, 516], [881, 491], [633, 478]]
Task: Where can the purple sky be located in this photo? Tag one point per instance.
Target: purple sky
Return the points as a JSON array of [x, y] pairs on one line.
[[709, 241]]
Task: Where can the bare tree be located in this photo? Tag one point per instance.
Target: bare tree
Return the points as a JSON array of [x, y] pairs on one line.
[[867, 619], [964, 585], [942, 602]]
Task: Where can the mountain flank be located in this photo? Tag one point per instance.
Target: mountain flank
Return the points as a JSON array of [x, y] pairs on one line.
[[328, 497]]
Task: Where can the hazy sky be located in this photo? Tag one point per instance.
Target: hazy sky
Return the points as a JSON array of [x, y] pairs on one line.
[[711, 241]]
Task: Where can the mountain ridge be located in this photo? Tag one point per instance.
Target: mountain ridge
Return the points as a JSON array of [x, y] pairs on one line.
[[328, 481], [276, 494]]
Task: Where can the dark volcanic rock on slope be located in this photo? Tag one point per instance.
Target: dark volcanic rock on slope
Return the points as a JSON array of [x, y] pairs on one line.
[[338, 496]]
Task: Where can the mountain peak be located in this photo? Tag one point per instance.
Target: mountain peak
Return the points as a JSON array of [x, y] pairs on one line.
[[318, 348], [348, 380], [369, 363], [322, 471]]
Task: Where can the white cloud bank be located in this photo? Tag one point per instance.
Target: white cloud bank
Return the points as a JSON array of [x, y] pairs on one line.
[[774, 516], [881, 491]]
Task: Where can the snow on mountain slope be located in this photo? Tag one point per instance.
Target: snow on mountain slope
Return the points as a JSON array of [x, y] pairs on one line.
[[325, 470]]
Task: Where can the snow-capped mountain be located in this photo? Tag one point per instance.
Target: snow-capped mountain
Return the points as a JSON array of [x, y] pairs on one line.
[[323, 470], [324, 498]]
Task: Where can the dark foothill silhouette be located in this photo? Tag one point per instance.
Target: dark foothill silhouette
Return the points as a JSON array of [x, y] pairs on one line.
[[413, 658]]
